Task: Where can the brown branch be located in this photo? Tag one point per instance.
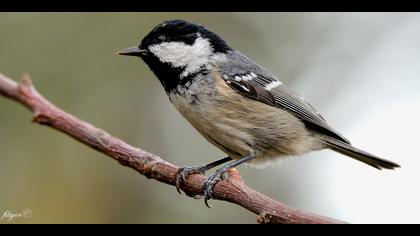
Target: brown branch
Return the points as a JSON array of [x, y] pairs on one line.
[[233, 190]]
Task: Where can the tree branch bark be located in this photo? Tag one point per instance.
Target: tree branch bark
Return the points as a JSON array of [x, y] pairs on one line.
[[233, 189]]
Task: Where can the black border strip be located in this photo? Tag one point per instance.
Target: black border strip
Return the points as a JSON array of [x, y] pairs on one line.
[[205, 5]]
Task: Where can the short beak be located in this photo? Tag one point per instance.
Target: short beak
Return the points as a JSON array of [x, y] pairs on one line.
[[133, 51]]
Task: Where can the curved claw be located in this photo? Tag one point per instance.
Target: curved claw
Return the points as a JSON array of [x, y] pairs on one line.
[[209, 185], [207, 204], [179, 178], [183, 173]]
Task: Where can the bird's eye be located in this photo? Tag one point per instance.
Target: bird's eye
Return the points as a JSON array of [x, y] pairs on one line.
[[162, 37]]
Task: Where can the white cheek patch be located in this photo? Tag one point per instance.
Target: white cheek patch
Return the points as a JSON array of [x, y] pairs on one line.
[[174, 53], [179, 54]]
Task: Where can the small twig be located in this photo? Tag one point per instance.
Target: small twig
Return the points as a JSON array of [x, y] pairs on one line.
[[233, 190]]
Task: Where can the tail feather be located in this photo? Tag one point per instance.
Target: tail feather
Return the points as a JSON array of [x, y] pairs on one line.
[[359, 155]]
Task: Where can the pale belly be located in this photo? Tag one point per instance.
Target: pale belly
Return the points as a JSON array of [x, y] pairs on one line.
[[240, 126]]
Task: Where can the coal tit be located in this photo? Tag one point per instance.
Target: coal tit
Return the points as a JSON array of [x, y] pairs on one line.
[[237, 105]]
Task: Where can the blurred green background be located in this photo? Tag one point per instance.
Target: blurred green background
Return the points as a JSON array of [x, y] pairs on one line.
[[346, 64]]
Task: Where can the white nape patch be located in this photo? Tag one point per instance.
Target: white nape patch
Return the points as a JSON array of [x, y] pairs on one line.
[[192, 57], [272, 85]]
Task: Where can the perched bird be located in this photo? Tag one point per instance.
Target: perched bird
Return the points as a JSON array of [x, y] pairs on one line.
[[233, 102]]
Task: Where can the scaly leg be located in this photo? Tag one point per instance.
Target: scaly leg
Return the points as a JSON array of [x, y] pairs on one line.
[[183, 172], [217, 176]]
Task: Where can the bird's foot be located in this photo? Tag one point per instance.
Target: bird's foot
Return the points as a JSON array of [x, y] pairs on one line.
[[183, 173], [209, 185]]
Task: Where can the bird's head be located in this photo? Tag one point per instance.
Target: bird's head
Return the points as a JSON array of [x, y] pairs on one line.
[[176, 49]]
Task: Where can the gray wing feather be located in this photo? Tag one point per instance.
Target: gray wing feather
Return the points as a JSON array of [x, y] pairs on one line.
[[250, 79]]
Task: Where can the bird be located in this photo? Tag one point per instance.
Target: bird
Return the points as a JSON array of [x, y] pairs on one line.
[[234, 103]]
